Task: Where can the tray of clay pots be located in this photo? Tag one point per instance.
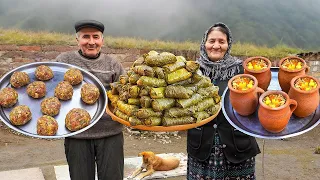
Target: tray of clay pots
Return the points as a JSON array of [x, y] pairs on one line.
[[269, 112]]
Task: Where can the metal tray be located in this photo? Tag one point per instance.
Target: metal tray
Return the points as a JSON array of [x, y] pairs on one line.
[[250, 124], [96, 110]]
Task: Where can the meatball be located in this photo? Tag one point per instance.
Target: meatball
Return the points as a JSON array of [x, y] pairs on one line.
[[37, 89], [73, 76], [77, 119], [43, 73], [89, 93], [47, 126], [8, 97], [63, 90], [50, 106], [19, 79], [20, 115]]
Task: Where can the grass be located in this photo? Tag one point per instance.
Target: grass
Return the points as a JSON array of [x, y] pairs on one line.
[[127, 42], [19, 37], [278, 51]]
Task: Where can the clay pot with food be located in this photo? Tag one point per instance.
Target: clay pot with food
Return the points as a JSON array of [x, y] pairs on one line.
[[290, 67], [244, 93], [305, 90], [259, 67], [275, 110]]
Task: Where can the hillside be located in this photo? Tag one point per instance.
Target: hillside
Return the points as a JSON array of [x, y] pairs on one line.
[[20, 37], [264, 23]]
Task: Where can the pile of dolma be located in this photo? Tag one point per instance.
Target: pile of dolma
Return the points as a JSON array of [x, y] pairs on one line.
[[162, 89]]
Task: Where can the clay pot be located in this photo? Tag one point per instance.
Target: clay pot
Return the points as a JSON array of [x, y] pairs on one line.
[[263, 76], [275, 119], [308, 101], [286, 75], [244, 102]]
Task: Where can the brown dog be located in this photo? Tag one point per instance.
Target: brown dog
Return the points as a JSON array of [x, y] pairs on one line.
[[153, 163]]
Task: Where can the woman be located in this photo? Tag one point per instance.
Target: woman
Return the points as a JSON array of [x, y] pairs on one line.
[[216, 150]]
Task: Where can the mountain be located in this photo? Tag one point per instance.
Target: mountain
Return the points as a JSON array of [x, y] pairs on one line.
[[262, 22]]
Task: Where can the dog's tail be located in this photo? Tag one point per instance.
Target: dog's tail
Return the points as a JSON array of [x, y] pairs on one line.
[[169, 163]]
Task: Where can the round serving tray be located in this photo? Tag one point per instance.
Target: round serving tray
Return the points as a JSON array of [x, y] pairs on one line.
[[160, 128], [96, 110], [250, 124]]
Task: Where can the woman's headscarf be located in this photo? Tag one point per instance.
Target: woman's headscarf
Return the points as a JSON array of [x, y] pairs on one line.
[[222, 69]]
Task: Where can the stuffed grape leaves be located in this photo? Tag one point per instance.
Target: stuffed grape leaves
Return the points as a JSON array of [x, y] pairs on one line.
[[133, 78], [201, 115], [147, 112], [168, 68], [150, 81], [217, 98], [159, 73], [113, 87], [178, 75], [134, 101], [204, 105], [192, 66], [178, 92], [134, 91], [178, 112], [127, 108], [210, 91], [196, 77], [145, 102], [130, 72], [157, 93], [160, 60], [124, 96], [204, 82], [191, 87], [181, 58], [124, 79], [144, 91], [139, 61], [121, 115], [113, 98], [134, 121], [214, 109], [184, 82], [184, 103], [162, 104], [169, 121], [153, 121], [144, 70]]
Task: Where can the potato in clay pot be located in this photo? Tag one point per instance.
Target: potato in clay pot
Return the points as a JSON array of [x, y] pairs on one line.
[[244, 92], [305, 90], [259, 67], [275, 110], [290, 67]]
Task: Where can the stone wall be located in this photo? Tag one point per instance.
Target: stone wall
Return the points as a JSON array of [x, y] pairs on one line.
[[313, 59], [12, 56]]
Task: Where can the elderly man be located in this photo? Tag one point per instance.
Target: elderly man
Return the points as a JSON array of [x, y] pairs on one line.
[[102, 144]]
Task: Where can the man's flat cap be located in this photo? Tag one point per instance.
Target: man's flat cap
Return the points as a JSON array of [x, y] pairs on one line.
[[89, 23]]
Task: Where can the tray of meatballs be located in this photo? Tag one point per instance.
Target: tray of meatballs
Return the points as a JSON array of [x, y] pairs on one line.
[[51, 99]]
